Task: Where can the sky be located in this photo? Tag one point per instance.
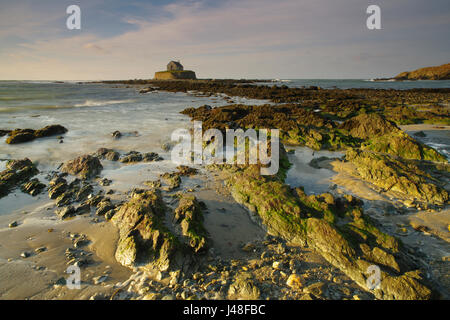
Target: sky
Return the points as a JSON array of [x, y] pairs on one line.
[[264, 39]]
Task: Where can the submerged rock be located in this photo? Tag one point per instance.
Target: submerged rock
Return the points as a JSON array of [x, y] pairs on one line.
[[85, 167]]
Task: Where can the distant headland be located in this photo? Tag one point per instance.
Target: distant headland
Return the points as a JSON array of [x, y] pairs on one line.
[[175, 70], [441, 72]]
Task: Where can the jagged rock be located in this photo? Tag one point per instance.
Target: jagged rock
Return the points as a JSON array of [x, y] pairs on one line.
[[33, 187], [132, 156], [25, 135], [403, 177], [151, 156], [144, 239], [65, 212], [17, 172], [189, 215], [57, 188], [172, 180], [85, 167], [108, 154], [103, 207], [335, 229]]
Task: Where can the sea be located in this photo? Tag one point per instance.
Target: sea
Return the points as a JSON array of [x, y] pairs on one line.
[[93, 111]]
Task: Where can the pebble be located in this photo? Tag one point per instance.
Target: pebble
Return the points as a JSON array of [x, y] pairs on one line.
[[13, 224], [25, 254]]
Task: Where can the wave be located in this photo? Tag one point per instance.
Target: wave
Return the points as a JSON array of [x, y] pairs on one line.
[[97, 103]]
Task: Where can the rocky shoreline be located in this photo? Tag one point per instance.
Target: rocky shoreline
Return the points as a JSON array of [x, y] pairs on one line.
[[316, 246]]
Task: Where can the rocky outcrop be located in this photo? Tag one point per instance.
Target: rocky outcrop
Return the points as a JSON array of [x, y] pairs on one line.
[[17, 172], [190, 217], [144, 239], [402, 145], [85, 167], [337, 228], [365, 126], [441, 72], [408, 179], [384, 136], [297, 125], [25, 135]]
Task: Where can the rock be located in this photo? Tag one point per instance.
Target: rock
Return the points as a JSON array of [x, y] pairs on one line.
[[368, 126], [317, 289], [103, 207], [85, 167], [168, 297], [99, 279], [25, 135], [294, 281], [105, 182], [13, 224], [40, 249], [420, 134], [25, 254], [33, 187], [116, 135], [130, 157], [189, 215], [151, 156], [153, 296], [108, 154], [277, 265], [17, 172], [243, 288], [144, 239], [403, 177], [57, 190], [172, 180], [153, 184], [66, 212]]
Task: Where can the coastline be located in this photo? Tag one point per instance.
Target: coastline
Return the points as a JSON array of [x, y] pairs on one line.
[[434, 240]]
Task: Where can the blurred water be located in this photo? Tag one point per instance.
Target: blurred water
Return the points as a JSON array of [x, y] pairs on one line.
[[361, 83]]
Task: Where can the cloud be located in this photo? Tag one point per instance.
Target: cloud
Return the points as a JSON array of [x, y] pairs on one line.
[[245, 38]]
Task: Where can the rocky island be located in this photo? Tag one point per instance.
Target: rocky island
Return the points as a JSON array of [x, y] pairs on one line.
[[175, 70]]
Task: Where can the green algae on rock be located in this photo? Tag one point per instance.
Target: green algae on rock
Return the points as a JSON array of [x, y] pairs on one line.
[[335, 228], [407, 178], [144, 239], [189, 215]]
